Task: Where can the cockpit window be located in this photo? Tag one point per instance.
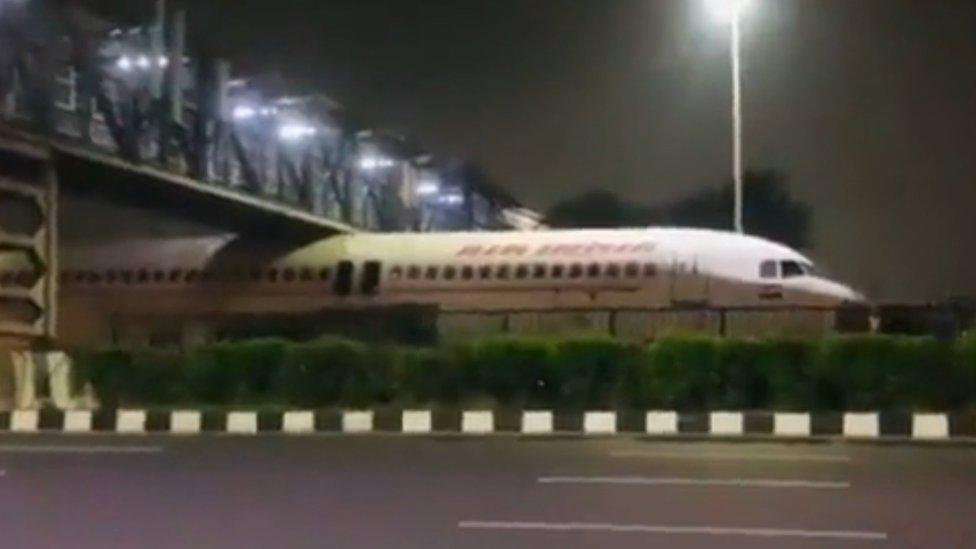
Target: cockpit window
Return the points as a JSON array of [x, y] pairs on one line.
[[792, 269], [768, 269]]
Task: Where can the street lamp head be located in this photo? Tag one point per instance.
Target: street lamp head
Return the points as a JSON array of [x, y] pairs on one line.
[[726, 11]]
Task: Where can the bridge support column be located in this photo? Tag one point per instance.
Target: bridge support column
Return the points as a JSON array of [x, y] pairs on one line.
[[28, 242]]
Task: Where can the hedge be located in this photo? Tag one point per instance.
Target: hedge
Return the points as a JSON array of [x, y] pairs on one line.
[[691, 373]]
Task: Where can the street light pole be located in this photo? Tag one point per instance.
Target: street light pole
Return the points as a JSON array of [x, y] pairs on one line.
[[730, 12], [736, 125]]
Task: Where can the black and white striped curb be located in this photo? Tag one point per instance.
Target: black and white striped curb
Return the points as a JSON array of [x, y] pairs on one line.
[[853, 425]]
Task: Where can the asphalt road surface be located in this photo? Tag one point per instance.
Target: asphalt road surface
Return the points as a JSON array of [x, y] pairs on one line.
[[496, 492]]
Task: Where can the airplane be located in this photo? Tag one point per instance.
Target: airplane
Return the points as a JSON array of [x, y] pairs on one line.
[[548, 270]]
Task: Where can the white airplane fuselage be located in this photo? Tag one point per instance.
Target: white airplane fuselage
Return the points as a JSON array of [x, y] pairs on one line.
[[648, 268]]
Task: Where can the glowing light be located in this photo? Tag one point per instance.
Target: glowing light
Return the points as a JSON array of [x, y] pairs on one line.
[[295, 131], [369, 163], [143, 62], [451, 199], [163, 61], [726, 11], [124, 63], [243, 112], [427, 188]]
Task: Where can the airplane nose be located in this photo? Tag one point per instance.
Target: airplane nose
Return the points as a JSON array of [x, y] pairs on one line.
[[850, 295], [841, 292]]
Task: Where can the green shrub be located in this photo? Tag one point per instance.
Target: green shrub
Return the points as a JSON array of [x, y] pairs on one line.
[[679, 373], [591, 372], [688, 373], [964, 362], [885, 372], [234, 372], [509, 370], [335, 372], [789, 365], [108, 373], [428, 375]]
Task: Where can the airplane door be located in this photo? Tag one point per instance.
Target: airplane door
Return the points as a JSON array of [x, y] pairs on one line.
[[370, 283], [343, 279]]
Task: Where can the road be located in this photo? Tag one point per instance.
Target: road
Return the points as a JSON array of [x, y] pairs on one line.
[[494, 492]]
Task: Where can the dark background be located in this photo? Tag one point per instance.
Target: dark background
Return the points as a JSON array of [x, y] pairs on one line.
[[867, 106]]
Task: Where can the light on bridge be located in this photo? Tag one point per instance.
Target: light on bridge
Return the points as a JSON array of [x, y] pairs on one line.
[[127, 63], [428, 188], [295, 131], [370, 163]]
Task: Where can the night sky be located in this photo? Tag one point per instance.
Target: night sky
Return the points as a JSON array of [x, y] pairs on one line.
[[869, 106]]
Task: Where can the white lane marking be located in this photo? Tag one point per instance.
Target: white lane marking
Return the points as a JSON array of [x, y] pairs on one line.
[[682, 481], [728, 456], [62, 449], [851, 535]]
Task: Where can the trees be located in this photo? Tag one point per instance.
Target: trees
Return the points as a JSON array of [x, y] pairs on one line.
[[770, 210]]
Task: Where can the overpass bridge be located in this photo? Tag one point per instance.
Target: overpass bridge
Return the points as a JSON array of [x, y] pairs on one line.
[[129, 116]]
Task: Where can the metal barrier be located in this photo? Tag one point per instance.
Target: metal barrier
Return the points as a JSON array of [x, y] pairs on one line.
[[743, 322]]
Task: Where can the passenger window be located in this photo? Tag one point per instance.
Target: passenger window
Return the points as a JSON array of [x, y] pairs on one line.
[[575, 270], [431, 273], [522, 271], [159, 276], [191, 275], [767, 269], [613, 270], [175, 275], [467, 272], [288, 274], [593, 270], [110, 277], [484, 272], [449, 272], [502, 272], [396, 273], [305, 274], [539, 271], [94, 277], [650, 270], [557, 271], [631, 269], [273, 275], [127, 276], [325, 273], [413, 272], [791, 269], [143, 276]]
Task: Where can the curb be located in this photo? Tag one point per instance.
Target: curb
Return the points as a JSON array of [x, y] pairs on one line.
[[655, 423]]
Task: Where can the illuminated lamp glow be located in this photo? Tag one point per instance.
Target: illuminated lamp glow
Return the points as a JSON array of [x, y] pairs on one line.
[[124, 63], [143, 62], [726, 11], [427, 188], [295, 132], [375, 162], [243, 112], [452, 199]]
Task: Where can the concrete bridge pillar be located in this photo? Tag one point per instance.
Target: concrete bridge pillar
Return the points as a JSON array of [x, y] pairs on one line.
[[28, 242]]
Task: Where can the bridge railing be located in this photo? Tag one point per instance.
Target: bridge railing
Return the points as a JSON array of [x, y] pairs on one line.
[[137, 95]]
